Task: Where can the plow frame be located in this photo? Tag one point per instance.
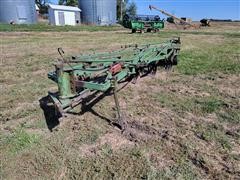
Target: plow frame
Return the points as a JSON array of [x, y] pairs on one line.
[[84, 75]]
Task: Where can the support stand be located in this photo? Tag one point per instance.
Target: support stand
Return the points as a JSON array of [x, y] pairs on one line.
[[120, 121]]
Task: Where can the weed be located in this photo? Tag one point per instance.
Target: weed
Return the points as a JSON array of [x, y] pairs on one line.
[[209, 105], [182, 170], [214, 133], [88, 136], [106, 150], [229, 116], [135, 152], [20, 140]]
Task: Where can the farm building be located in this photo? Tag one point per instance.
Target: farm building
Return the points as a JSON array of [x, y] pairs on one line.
[[63, 15]]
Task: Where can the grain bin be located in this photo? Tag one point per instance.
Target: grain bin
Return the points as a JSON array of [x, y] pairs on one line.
[[17, 11], [99, 12]]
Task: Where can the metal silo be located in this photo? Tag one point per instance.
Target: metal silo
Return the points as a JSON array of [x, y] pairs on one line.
[[99, 12], [17, 11]]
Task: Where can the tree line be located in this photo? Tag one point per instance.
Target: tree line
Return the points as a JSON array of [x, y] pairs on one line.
[[123, 6]]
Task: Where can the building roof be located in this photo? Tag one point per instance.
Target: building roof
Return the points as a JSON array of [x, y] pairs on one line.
[[66, 8]]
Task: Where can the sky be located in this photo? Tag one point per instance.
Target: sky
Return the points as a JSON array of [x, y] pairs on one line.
[[195, 9]]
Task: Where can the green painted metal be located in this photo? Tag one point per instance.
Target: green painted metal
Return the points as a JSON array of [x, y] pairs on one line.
[[136, 25], [64, 85], [79, 76], [157, 25], [143, 24]]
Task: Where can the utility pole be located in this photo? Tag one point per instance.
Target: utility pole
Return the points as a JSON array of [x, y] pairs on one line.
[[121, 17]]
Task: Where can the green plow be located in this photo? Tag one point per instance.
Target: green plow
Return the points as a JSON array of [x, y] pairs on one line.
[[79, 77]]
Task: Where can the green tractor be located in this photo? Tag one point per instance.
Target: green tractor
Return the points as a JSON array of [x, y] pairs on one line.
[[143, 23]]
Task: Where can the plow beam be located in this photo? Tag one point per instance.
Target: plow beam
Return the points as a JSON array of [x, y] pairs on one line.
[[80, 76]]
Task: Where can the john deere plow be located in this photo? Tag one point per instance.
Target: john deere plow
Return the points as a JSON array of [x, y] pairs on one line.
[[79, 77]]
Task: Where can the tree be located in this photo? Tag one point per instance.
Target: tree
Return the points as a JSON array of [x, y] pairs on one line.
[[121, 8], [132, 9], [68, 2], [61, 2], [42, 4], [126, 7]]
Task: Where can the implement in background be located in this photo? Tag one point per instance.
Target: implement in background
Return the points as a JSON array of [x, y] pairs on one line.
[[205, 22], [172, 18], [80, 78], [143, 23]]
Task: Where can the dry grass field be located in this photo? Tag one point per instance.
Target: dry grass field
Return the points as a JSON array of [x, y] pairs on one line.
[[186, 122]]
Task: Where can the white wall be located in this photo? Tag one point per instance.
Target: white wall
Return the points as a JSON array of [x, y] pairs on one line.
[[68, 16], [51, 17]]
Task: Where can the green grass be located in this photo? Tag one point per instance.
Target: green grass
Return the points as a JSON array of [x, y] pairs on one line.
[[229, 116], [50, 28], [106, 150], [227, 34], [209, 105], [18, 141], [196, 105], [214, 133], [220, 58], [108, 166], [183, 169]]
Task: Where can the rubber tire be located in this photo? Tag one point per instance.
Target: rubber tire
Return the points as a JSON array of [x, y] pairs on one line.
[[149, 30]]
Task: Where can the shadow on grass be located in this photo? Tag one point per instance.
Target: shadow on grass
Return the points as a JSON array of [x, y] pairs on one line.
[[50, 113], [52, 116], [89, 102]]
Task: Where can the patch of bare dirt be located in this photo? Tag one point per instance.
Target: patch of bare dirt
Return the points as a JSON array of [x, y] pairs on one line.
[[138, 132], [114, 139], [229, 85], [41, 72], [160, 160]]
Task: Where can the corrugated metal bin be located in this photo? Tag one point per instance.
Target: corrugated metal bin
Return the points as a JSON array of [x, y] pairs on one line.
[[99, 12], [18, 11]]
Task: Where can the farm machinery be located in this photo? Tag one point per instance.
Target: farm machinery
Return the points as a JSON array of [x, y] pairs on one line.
[[143, 23], [173, 19], [205, 22], [81, 78]]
